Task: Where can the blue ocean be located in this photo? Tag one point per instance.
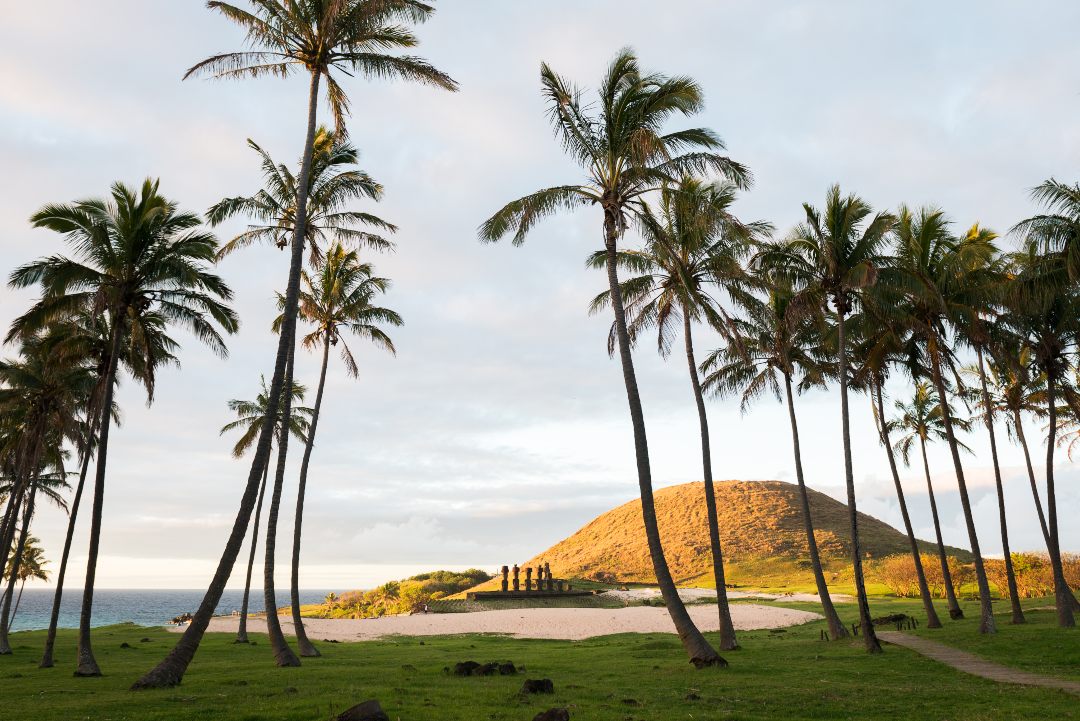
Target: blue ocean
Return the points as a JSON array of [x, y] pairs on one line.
[[142, 607]]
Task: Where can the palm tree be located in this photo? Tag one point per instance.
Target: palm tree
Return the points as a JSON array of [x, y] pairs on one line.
[[321, 38], [139, 255], [882, 343], [249, 419], [31, 566], [835, 255], [334, 181], [1043, 306], [773, 344], [1057, 231], [626, 154], [941, 284], [694, 247], [85, 339], [922, 421], [338, 299]]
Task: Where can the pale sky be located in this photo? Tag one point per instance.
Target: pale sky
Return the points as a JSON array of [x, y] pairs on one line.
[[501, 426]]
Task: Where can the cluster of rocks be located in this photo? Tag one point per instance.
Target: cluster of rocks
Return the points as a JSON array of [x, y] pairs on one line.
[[472, 668]]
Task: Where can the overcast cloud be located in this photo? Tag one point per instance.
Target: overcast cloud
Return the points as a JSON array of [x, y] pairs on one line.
[[501, 425]]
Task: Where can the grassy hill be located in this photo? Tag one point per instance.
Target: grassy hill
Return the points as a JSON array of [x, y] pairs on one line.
[[761, 531]]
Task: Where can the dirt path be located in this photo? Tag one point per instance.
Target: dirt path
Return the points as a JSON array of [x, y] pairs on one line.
[[975, 665]]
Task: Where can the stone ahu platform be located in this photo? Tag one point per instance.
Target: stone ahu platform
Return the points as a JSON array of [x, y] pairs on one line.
[[545, 586]]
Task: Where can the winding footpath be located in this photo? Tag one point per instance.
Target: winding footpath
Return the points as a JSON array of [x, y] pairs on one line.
[[975, 665]]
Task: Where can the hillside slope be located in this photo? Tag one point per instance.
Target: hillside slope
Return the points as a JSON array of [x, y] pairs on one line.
[[760, 527]]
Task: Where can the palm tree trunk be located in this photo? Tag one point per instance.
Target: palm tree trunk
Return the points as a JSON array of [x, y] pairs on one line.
[[837, 630], [11, 518], [932, 620], [283, 654], [87, 664], [1010, 574], [170, 671], [73, 515], [986, 616], [1064, 607], [1017, 421], [18, 600], [866, 624], [728, 642], [955, 612], [241, 632], [306, 647], [16, 564], [700, 652]]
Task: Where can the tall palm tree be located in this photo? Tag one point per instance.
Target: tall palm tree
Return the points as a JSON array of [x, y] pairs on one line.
[[1056, 232], [1042, 306], [882, 343], [84, 338], [338, 299], [626, 154], [771, 347], [836, 254], [334, 181], [138, 254], [940, 281], [321, 38], [921, 421], [249, 419], [694, 246], [31, 566]]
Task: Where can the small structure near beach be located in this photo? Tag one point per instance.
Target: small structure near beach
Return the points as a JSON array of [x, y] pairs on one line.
[[510, 586]]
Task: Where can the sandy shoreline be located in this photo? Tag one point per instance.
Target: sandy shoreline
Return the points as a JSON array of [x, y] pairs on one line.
[[549, 623]]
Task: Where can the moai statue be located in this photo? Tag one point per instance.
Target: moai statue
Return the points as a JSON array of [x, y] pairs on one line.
[[505, 582], [562, 586], [528, 579], [547, 575], [517, 581]]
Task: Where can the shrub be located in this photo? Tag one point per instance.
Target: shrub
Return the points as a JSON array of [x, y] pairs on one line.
[[1034, 574], [898, 573], [406, 596]]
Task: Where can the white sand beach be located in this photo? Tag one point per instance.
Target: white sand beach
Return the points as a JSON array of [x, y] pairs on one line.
[[551, 623]]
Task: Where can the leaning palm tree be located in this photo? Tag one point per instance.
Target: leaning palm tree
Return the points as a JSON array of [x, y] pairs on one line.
[[1043, 308], [940, 281], [881, 344], [320, 38], [338, 299], [31, 567], [249, 419], [694, 246], [920, 421], [138, 255], [834, 255], [770, 347], [626, 154]]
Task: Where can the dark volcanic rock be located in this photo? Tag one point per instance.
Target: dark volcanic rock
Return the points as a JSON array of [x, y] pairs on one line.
[[553, 714], [367, 711], [540, 685], [465, 668], [507, 669]]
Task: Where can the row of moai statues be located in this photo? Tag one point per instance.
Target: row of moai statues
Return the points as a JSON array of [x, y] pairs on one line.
[[544, 580]]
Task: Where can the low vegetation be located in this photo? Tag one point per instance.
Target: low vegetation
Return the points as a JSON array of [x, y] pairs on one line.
[[1034, 575], [396, 597]]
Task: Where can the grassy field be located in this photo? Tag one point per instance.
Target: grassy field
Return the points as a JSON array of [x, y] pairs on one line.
[[777, 675]]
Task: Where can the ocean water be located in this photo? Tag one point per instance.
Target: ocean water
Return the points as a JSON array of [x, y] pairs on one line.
[[142, 607]]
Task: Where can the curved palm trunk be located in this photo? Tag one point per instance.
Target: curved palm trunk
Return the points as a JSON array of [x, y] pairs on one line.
[[241, 632], [1010, 574], [700, 652], [1062, 601], [170, 671], [837, 630], [283, 654], [16, 563], [728, 642], [18, 600], [306, 647], [955, 612], [932, 620], [73, 515], [11, 519], [986, 615], [87, 664], [1017, 421], [866, 624]]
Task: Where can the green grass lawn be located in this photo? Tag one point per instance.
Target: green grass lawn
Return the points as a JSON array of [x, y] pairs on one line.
[[787, 675]]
